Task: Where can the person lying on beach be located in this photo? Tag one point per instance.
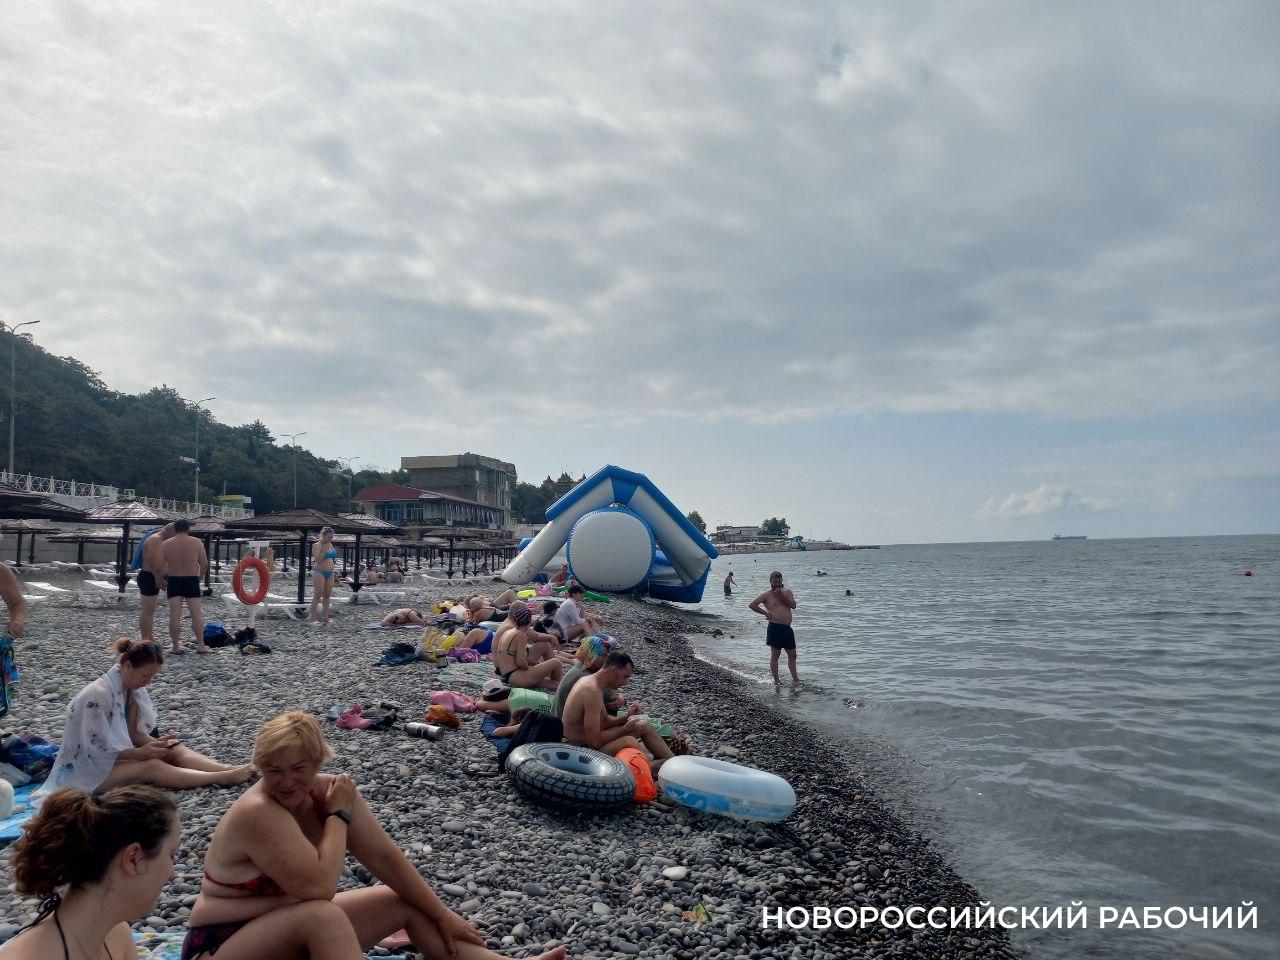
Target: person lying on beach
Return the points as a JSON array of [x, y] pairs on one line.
[[480, 611], [511, 659], [371, 574], [96, 863], [573, 622], [588, 724], [271, 871], [108, 738], [477, 638], [403, 617], [505, 599]]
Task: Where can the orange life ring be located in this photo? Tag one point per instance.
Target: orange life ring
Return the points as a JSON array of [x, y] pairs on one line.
[[237, 580]]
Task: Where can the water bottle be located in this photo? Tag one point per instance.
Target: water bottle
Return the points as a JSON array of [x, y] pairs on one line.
[[427, 731]]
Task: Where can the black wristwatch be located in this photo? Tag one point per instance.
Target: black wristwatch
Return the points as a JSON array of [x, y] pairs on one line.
[[346, 817]]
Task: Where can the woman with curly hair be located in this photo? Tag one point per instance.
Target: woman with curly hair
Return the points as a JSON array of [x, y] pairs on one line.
[[96, 862]]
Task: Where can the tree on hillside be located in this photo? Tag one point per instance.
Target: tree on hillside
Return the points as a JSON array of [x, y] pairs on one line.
[[696, 519], [773, 527], [529, 502]]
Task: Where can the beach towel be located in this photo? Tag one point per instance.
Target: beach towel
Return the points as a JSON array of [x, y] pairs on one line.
[[463, 654], [397, 655], [453, 701], [465, 676], [8, 673], [23, 808], [403, 626]]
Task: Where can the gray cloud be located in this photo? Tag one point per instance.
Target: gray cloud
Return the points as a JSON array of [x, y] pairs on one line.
[[1044, 499], [724, 211]]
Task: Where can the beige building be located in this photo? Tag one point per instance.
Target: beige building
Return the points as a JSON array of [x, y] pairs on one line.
[[468, 476]]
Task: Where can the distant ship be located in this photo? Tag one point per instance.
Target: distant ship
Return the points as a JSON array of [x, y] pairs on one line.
[[1069, 536]]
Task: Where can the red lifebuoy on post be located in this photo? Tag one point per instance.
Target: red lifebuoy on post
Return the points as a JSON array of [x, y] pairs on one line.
[[237, 580]]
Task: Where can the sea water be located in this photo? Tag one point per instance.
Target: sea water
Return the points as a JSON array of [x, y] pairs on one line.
[[1096, 720]]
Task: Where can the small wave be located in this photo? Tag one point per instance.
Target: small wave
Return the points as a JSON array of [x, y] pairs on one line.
[[728, 668]]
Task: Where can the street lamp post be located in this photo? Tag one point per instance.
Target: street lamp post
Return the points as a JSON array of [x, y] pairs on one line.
[[198, 403], [293, 442], [13, 381], [349, 475]]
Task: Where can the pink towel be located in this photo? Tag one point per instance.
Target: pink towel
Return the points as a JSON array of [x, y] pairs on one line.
[[453, 702]]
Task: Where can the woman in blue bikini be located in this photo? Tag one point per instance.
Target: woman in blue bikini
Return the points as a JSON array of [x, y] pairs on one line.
[[323, 561]]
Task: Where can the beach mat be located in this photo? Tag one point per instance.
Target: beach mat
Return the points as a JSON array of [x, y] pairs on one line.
[[378, 626], [460, 675], [11, 829]]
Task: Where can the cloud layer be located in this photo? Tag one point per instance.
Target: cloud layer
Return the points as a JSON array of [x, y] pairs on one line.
[[1044, 499], [722, 211]]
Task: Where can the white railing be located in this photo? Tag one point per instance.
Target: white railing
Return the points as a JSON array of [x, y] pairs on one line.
[[102, 495]]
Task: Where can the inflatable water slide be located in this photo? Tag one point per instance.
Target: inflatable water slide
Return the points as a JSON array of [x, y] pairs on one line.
[[619, 532]]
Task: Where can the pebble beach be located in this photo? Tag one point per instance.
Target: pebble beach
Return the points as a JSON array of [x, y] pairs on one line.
[[657, 881]]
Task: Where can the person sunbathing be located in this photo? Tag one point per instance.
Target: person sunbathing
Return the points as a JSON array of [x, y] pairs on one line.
[[395, 572], [96, 863], [271, 871], [505, 599], [108, 739], [511, 657], [588, 724], [403, 617], [480, 611]]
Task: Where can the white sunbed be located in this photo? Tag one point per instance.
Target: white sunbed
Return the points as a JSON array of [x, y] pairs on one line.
[[293, 610]]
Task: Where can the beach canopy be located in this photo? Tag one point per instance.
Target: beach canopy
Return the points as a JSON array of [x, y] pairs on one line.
[[127, 513], [20, 504], [304, 520]]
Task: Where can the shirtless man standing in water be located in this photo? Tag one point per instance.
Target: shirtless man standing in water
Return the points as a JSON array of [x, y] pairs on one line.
[[185, 562], [775, 605]]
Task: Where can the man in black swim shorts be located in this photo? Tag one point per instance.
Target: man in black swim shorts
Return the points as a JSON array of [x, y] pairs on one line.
[[185, 562], [776, 605], [151, 579]]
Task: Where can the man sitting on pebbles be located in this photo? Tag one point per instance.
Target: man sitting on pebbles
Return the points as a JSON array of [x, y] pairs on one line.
[[107, 739], [588, 724], [271, 871]]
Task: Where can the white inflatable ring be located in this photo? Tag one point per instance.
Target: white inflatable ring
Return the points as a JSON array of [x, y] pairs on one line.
[[717, 786]]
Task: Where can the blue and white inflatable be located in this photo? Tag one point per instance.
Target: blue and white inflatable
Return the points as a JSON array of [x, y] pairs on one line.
[[619, 532]]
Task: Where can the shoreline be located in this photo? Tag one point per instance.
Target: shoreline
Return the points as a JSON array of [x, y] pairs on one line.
[[596, 884]]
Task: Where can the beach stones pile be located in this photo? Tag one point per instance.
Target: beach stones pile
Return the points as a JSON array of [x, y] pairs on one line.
[[658, 881]]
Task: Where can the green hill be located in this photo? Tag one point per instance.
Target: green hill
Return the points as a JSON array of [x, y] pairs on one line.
[[72, 426]]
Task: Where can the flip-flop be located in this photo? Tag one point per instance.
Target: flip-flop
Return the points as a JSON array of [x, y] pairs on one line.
[[351, 720], [398, 939]]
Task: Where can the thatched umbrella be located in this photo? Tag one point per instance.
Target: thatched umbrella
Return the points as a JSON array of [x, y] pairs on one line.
[[305, 521], [127, 513], [26, 528]]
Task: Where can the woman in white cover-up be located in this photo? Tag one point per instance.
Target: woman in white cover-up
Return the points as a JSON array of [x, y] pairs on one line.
[[107, 741]]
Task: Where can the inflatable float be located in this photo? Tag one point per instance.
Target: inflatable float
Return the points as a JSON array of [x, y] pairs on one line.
[[573, 779], [618, 532], [730, 789]]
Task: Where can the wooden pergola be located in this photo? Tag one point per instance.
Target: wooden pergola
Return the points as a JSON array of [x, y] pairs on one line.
[[25, 528], [304, 521], [127, 513]]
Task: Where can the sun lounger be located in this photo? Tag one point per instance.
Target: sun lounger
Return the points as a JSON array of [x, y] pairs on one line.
[[295, 611]]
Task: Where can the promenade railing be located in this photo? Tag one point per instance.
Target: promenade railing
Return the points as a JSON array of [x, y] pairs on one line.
[[96, 494]]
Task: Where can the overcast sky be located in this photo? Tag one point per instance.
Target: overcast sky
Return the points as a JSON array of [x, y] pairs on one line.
[[898, 272]]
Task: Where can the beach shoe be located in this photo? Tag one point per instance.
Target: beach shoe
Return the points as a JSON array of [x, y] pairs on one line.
[[351, 720], [397, 940], [338, 709]]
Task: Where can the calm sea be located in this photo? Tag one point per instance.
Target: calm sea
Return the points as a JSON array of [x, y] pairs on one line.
[[1094, 721]]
